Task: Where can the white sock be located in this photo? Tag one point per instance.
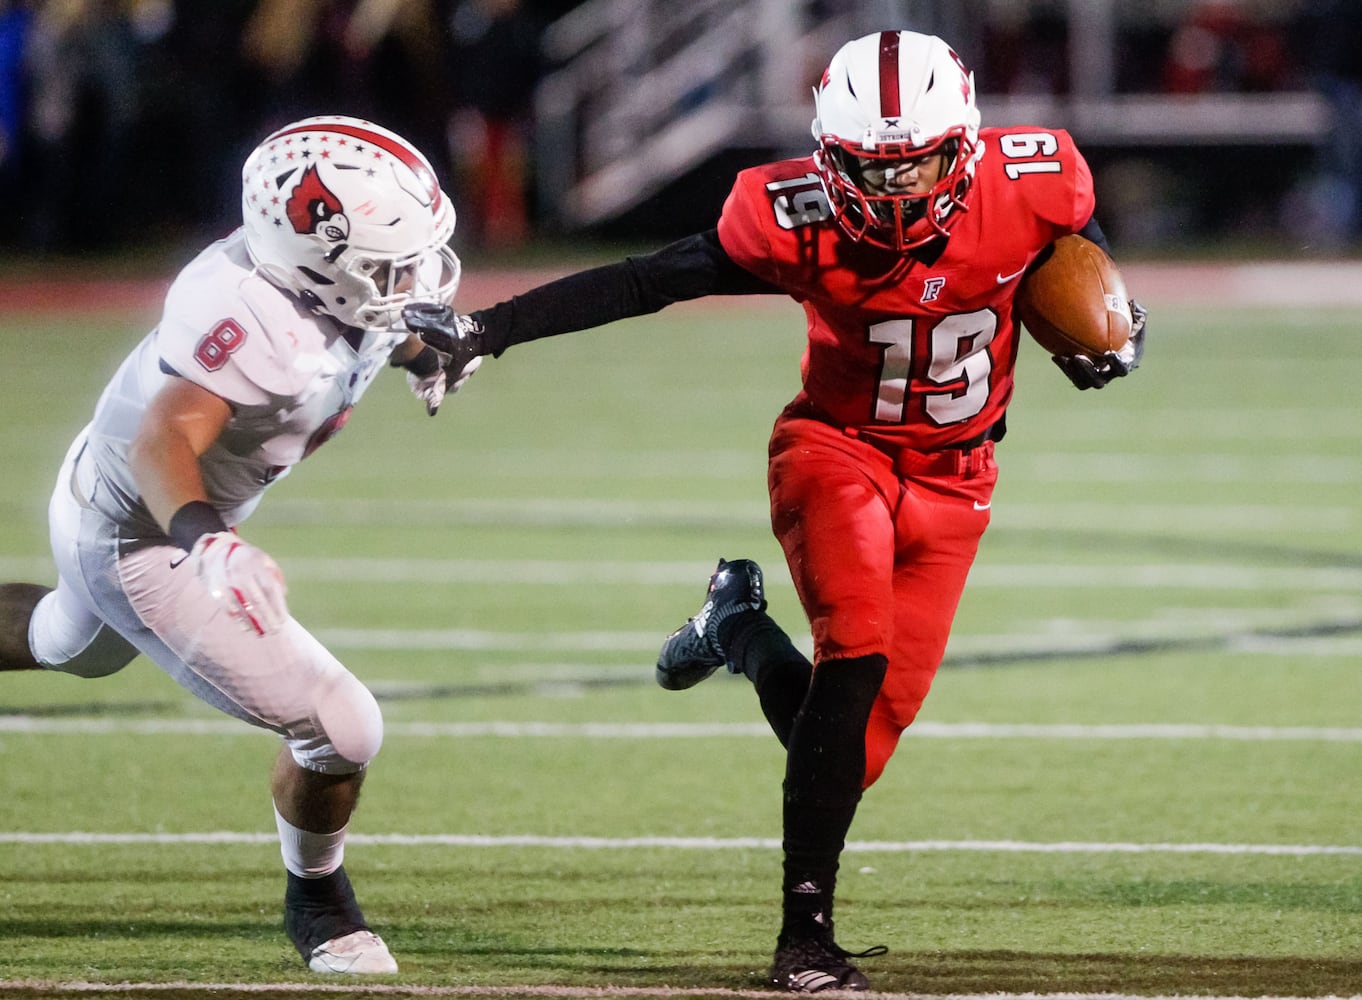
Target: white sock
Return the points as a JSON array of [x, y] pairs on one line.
[[309, 855]]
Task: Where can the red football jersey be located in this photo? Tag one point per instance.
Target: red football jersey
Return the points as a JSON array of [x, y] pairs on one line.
[[921, 354]]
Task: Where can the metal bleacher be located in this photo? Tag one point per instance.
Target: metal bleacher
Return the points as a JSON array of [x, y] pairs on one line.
[[646, 91]]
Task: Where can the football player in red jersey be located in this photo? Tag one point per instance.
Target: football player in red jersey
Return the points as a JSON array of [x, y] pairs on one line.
[[904, 236]]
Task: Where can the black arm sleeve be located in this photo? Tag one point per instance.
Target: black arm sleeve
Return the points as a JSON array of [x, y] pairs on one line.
[[687, 269], [1092, 231]]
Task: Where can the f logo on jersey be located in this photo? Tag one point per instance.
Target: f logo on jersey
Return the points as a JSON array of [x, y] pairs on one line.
[[313, 210]]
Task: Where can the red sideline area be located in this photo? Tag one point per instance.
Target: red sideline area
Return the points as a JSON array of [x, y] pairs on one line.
[[1263, 283]]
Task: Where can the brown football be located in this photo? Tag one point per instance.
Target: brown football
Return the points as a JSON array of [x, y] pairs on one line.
[[1073, 300]]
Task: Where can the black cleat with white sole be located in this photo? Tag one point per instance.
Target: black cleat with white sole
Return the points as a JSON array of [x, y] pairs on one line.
[[816, 964]]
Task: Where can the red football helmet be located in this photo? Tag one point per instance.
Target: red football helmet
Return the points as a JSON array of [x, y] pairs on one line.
[[887, 98]]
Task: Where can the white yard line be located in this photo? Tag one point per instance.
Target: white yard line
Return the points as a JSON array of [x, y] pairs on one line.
[[574, 573], [54, 988], [601, 512], [85, 838], [584, 572], [39, 725]]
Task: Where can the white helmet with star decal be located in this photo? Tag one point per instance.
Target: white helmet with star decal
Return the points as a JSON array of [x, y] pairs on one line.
[[349, 216]]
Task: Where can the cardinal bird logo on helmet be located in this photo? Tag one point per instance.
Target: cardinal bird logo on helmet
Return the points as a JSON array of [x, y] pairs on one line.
[[313, 209]]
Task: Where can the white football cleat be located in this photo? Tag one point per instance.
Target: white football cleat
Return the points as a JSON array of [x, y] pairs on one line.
[[359, 953]]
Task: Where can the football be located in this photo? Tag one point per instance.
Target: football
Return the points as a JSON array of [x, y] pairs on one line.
[[1073, 300]]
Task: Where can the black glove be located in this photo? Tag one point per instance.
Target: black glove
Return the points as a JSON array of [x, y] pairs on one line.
[[457, 338], [1090, 373]]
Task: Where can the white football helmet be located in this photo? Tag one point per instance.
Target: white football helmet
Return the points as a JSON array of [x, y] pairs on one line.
[[885, 98], [350, 217]]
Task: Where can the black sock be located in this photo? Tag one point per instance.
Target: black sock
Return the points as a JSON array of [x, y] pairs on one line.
[[759, 648], [824, 770], [319, 909], [17, 601]]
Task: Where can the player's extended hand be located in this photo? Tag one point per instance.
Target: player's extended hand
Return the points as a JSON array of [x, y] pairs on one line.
[[432, 388], [243, 578], [1094, 373], [457, 337], [457, 343]]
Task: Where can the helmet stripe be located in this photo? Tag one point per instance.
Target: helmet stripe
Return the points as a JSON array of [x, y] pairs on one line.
[[398, 150], [889, 74]]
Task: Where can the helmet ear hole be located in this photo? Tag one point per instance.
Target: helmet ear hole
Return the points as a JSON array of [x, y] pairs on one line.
[[315, 277]]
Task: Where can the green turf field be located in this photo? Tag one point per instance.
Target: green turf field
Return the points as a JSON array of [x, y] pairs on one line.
[[1138, 773]]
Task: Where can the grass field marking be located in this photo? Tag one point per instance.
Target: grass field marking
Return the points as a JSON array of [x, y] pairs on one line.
[[40, 987], [1192, 576], [581, 572], [515, 510], [482, 639], [1179, 576], [84, 838], [597, 512], [1220, 469], [1263, 632], [574, 573], [1137, 731], [923, 729]]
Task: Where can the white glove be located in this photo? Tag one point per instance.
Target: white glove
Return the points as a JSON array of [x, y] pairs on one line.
[[429, 389], [432, 389], [243, 578]]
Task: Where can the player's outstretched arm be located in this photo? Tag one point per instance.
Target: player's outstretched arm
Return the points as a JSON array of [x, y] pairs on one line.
[[689, 268]]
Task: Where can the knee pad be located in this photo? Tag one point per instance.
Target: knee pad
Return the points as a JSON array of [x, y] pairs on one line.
[[66, 636], [349, 729]]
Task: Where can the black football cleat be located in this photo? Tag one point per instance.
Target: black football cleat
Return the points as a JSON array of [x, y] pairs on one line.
[[816, 964], [692, 652]]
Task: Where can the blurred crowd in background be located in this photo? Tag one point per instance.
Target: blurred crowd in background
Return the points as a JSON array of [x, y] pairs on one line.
[[124, 122]]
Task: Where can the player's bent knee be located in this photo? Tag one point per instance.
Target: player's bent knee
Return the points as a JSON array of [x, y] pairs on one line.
[[64, 639], [350, 729]]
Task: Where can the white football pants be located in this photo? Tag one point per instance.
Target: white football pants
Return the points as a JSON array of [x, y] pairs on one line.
[[118, 596]]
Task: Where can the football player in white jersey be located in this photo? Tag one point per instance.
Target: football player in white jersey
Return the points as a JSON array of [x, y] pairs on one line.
[[268, 339]]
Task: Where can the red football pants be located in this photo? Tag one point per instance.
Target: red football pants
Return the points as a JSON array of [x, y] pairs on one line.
[[879, 543]]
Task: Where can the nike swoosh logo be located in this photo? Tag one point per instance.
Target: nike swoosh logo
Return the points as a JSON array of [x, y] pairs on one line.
[[982, 506], [1005, 278]]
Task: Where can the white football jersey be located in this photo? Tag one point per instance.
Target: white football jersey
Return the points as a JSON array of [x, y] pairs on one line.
[[290, 378]]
